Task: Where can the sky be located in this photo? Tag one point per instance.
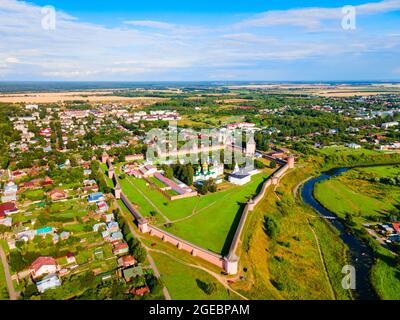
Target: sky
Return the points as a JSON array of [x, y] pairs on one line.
[[220, 40]]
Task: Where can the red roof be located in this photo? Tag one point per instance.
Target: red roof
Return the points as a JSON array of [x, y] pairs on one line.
[[128, 260], [43, 261], [140, 291], [396, 226], [7, 207]]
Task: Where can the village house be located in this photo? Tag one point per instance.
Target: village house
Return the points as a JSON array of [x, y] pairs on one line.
[[70, 258], [140, 291], [57, 194], [126, 261], [43, 265], [120, 248], [8, 208], [96, 197], [48, 282]]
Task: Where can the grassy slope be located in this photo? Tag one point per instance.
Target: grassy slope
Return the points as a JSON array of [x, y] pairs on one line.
[[385, 273], [290, 266]]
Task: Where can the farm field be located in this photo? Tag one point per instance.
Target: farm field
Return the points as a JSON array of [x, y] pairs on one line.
[[208, 221]]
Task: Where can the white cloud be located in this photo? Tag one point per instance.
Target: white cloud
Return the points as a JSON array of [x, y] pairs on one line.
[[151, 24], [157, 50], [312, 18]]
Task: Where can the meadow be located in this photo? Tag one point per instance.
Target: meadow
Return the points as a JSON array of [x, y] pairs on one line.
[[366, 202]]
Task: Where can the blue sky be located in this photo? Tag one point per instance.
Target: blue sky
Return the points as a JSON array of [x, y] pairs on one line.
[[199, 40]]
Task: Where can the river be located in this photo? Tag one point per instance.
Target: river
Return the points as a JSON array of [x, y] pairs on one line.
[[361, 256]]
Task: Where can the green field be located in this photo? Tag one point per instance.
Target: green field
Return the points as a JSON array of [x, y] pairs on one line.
[[183, 281], [208, 221], [366, 202]]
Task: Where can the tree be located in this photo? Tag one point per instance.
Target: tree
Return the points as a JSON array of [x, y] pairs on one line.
[[272, 165], [271, 227], [259, 164], [139, 253]]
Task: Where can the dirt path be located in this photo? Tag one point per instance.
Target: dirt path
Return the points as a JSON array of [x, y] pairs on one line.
[[322, 261], [296, 188], [219, 278], [10, 286]]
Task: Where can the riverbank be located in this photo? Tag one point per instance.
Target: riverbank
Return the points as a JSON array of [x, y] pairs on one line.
[[357, 202]]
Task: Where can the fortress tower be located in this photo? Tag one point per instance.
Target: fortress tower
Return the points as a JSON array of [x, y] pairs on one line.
[[251, 147]]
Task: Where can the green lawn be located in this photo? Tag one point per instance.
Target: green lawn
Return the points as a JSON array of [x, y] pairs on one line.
[[183, 281], [215, 215]]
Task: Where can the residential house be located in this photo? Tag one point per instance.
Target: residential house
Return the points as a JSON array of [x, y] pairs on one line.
[[43, 265], [126, 261], [7, 208], [48, 282], [120, 248], [96, 197], [57, 194], [70, 258], [140, 291]]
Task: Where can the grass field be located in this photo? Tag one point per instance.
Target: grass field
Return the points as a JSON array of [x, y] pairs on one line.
[[367, 202], [208, 221], [183, 281]]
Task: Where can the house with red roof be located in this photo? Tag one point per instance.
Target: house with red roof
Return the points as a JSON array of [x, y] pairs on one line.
[[396, 227], [126, 261], [121, 248], [43, 265], [57, 194], [7, 209], [140, 291]]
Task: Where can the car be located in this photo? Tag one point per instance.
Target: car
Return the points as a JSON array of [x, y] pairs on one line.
[[153, 244]]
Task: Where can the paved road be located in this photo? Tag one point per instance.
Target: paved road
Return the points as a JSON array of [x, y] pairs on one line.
[[11, 291]]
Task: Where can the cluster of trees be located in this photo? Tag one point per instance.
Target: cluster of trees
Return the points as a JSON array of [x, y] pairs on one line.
[[184, 172], [99, 177], [392, 181], [208, 186], [136, 248]]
